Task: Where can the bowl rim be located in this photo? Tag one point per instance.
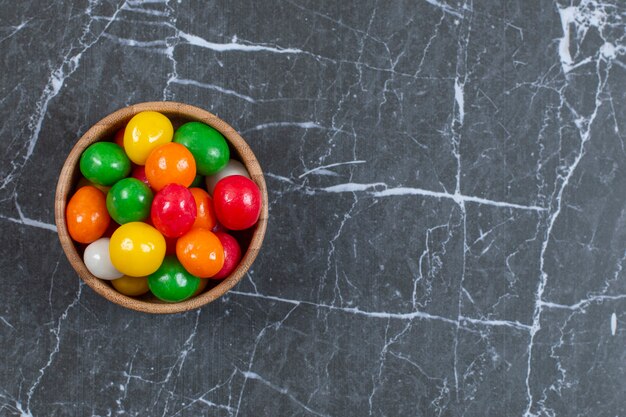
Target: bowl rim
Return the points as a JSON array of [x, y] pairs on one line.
[[105, 128]]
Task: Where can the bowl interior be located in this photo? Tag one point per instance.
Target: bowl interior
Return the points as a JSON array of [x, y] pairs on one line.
[[179, 114]]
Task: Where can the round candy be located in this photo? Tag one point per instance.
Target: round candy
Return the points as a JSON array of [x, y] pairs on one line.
[[119, 137], [137, 249], [208, 146], [171, 282], [171, 163], [84, 181], [204, 207], [173, 210], [129, 201], [86, 215], [139, 172], [237, 202], [131, 286], [104, 163], [144, 132], [233, 167], [198, 181], [98, 261], [200, 252], [232, 255]]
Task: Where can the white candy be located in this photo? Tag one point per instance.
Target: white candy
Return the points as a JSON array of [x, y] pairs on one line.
[[98, 261], [233, 167]]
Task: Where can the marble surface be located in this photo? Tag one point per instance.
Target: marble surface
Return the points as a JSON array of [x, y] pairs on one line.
[[447, 229]]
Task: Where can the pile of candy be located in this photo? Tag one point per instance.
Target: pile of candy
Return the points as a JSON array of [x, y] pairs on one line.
[[148, 223]]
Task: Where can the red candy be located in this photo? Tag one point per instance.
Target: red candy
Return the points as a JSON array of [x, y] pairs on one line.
[[173, 210], [232, 255], [237, 202]]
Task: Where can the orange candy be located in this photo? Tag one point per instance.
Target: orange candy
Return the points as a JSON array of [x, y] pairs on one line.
[[170, 163], [201, 252], [205, 216], [87, 215]]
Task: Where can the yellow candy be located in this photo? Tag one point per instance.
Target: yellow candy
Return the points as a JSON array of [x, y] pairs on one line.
[[145, 131], [131, 286], [137, 249]]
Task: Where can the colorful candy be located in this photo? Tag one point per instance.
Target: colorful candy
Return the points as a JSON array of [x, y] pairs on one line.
[[208, 146], [233, 167], [129, 200], [171, 282], [104, 163], [205, 215], [200, 252], [131, 286], [137, 249], [237, 202], [171, 163], [145, 132], [159, 230], [86, 215], [232, 255]]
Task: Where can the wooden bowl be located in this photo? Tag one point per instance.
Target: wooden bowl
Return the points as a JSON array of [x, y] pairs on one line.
[[104, 130]]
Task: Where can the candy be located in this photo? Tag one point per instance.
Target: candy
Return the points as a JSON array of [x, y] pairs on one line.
[[171, 163], [129, 201], [173, 210], [86, 215], [144, 132], [139, 172], [200, 252], [233, 167], [132, 286], [171, 238], [232, 255], [137, 249], [237, 202], [171, 282], [104, 163], [98, 261], [208, 146], [204, 207]]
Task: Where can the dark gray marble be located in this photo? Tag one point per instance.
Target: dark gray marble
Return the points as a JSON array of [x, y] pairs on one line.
[[447, 226]]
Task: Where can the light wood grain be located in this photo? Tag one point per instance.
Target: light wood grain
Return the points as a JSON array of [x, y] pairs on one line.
[[104, 130]]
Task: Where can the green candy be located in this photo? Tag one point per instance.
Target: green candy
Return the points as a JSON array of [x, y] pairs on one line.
[[104, 163], [171, 282], [197, 182], [129, 200], [207, 145]]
